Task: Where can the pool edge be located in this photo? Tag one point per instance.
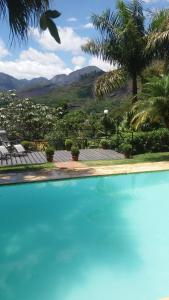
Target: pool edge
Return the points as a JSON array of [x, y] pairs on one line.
[[58, 174]]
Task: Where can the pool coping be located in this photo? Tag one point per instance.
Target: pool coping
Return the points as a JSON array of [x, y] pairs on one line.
[[81, 172]]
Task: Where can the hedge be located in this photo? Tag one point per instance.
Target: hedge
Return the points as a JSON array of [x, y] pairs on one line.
[[142, 142]]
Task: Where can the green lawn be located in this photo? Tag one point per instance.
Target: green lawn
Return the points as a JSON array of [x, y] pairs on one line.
[[28, 167], [141, 158]]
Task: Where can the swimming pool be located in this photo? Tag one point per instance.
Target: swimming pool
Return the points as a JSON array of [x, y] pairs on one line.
[[101, 238]]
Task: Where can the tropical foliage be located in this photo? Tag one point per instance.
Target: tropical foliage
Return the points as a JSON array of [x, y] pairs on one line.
[[21, 14], [159, 34], [122, 41], [25, 120], [154, 103], [127, 42]]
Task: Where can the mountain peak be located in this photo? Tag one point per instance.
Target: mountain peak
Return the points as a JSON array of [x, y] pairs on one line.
[[42, 84]]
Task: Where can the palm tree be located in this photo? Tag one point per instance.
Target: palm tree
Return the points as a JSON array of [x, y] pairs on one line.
[[122, 41], [158, 39], [23, 13], [154, 103]]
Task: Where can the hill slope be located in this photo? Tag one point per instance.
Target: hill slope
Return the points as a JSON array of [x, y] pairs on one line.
[[76, 93], [41, 85]]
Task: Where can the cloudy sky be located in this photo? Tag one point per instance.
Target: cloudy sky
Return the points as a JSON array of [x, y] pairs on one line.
[[42, 56]]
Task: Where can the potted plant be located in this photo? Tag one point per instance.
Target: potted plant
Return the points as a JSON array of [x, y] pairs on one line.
[[75, 153], [127, 150], [50, 153], [68, 144], [104, 144]]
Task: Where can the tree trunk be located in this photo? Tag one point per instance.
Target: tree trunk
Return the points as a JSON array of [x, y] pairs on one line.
[[134, 88]]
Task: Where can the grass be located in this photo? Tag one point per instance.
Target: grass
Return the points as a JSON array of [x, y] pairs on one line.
[[141, 158], [28, 167]]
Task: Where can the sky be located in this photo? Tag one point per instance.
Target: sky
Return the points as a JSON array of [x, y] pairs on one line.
[[41, 56]]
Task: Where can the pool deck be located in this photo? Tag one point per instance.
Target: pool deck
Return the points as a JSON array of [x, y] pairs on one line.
[[69, 170]]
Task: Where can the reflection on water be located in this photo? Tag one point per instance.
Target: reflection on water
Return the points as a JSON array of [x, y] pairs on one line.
[[98, 238]]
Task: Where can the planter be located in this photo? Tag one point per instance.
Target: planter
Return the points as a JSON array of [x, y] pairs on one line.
[[50, 158], [75, 153], [104, 144], [75, 157], [127, 155], [104, 147], [68, 144], [126, 149]]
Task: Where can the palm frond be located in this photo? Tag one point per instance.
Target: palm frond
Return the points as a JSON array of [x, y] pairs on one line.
[[136, 9], [153, 104], [139, 119], [21, 14], [106, 22], [159, 20], [158, 37], [106, 83]]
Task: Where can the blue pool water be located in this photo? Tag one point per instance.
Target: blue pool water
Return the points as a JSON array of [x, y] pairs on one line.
[[101, 238]]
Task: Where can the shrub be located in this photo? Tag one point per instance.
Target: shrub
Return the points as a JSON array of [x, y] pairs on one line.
[[93, 144], [29, 146], [104, 144], [68, 144], [50, 151], [142, 142], [126, 149], [56, 139], [114, 142], [152, 141], [75, 151]]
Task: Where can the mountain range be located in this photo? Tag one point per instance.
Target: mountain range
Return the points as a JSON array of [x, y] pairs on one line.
[[41, 86]]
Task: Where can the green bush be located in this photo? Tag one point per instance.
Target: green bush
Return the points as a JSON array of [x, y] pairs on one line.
[[126, 149], [143, 142], [68, 144], [56, 139], [104, 144], [75, 151], [152, 141], [50, 151], [29, 146], [93, 144], [114, 142]]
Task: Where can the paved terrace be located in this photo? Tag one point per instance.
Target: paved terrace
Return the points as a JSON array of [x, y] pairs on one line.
[[77, 169], [61, 156]]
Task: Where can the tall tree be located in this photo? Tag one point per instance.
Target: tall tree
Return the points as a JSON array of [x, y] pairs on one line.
[[122, 41], [23, 13]]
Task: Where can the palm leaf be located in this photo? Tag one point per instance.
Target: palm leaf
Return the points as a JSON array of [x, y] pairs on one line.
[[53, 30], [106, 83], [21, 14]]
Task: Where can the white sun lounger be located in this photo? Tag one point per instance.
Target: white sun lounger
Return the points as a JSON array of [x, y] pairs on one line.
[[19, 149], [4, 153]]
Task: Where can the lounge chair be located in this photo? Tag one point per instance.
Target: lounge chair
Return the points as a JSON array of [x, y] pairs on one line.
[[11, 146], [4, 153], [19, 149], [4, 139]]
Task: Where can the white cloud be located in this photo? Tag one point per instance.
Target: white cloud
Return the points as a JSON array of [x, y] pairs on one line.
[[88, 26], [103, 65], [32, 63], [150, 1], [3, 50], [78, 60], [70, 40], [72, 19]]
